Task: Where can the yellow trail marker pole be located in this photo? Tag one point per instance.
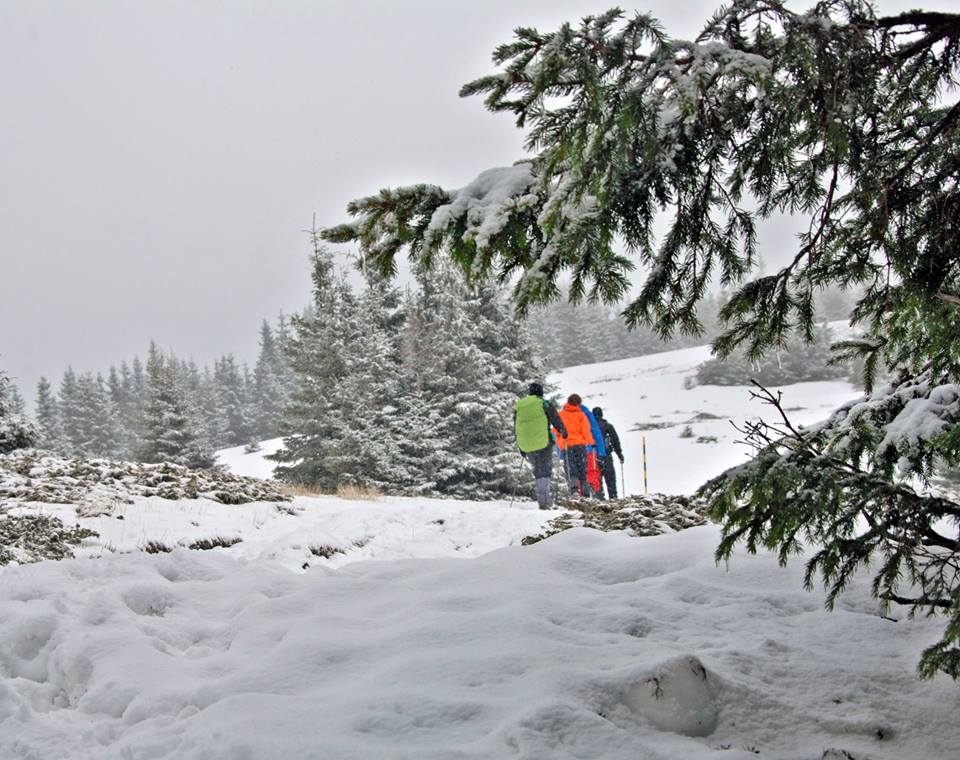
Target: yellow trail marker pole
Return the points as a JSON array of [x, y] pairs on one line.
[[645, 465]]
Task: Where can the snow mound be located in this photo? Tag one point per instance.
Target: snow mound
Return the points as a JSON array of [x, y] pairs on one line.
[[240, 460], [586, 645], [679, 697]]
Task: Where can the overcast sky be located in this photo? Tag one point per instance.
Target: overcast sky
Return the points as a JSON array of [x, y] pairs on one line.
[[160, 160]]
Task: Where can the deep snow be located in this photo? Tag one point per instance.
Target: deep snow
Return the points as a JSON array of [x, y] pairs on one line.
[[550, 651], [585, 645]]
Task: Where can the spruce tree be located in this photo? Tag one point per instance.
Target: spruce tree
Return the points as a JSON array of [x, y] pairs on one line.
[[269, 392], [93, 420], [366, 399], [71, 414], [172, 429], [49, 425], [316, 352], [836, 114], [16, 430]]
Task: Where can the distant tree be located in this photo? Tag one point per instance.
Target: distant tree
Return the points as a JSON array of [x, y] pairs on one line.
[[269, 391], [49, 425], [93, 420], [126, 409], [71, 415], [16, 430], [234, 400], [797, 363], [839, 116], [172, 428]]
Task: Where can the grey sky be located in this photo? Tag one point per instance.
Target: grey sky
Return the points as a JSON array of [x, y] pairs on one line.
[[160, 160]]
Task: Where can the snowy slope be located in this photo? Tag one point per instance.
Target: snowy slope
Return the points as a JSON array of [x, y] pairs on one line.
[[646, 396], [587, 645]]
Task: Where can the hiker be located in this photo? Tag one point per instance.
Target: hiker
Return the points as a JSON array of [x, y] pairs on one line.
[[612, 444], [595, 454], [574, 446], [532, 417]]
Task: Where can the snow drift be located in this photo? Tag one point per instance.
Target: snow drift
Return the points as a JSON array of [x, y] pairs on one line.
[[584, 645]]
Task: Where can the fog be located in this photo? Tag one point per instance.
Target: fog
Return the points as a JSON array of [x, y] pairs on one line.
[[161, 160]]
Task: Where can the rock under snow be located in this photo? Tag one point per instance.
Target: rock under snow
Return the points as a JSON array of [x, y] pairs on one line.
[[99, 485]]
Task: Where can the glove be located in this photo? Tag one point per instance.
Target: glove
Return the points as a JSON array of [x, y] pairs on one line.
[[621, 458]]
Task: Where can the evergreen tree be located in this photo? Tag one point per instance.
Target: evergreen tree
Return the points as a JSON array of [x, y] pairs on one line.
[[172, 429], [126, 408], [16, 430], [366, 399], [459, 439], [49, 425], [269, 392], [94, 427], [71, 415], [316, 352], [234, 400], [837, 114]]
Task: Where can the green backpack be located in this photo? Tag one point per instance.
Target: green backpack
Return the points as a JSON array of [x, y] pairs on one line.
[[531, 424]]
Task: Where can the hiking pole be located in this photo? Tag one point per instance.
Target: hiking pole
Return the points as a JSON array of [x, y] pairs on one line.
[[644, 465], [566, 471], [514, 497]]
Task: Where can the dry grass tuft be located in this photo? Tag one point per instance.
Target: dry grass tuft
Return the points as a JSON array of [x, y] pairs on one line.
[[357, 493], [302, 489]]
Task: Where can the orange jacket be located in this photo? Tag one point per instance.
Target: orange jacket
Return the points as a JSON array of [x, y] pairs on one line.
[[578, 427]]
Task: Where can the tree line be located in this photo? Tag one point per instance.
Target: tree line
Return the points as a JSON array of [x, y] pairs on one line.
[[166, 408]]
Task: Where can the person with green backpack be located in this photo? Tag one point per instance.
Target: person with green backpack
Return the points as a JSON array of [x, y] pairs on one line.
[[532, 417]]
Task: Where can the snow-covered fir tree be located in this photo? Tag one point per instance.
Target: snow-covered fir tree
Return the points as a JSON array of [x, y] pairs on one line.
[[235, 400], [458, 393], [49, 424], [70, 412], [317, 353], [16, 429], [367, 398], [270, 395], [94, 428], [172, 428]]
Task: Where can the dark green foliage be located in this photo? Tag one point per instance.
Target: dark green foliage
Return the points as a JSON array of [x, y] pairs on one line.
[[836, 116], [16, 431], [411, 396]]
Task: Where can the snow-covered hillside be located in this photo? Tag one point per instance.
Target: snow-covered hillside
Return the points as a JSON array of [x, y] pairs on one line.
[[652, 396], [648, 396], [413, 627]]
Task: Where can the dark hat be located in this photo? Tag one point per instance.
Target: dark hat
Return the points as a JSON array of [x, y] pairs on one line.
[[535, 389], [574, 399], [598, 412]]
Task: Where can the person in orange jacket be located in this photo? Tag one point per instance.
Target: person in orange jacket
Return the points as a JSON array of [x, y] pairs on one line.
[[574, 447]]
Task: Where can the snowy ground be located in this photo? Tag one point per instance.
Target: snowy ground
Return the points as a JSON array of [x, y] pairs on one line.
[[558, 650], [646, 396], [586, 645]]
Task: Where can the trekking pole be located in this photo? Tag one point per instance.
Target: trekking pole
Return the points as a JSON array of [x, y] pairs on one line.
[[514, 496], [644, 465]]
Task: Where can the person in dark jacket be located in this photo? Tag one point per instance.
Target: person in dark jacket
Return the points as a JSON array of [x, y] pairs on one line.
[[532, 417], [612, 445]]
